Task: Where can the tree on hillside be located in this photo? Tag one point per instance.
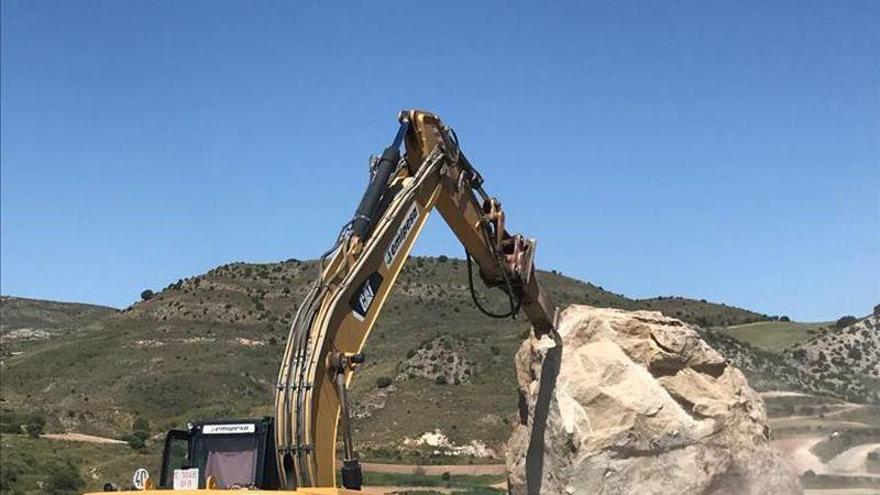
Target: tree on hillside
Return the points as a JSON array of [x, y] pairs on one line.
[[877, 311], [34, 426], [147, 294], [784, 318], [140, 432], [141, 427], [845, 322]]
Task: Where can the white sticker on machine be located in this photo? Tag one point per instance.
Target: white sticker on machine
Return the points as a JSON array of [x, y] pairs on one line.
[[402, 233], [186, 479], [229, 429], [139, 479]]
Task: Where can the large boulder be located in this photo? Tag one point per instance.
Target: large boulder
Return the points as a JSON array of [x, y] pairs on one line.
[[634, 402]]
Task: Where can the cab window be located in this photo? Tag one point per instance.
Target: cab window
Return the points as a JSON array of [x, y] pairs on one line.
[[175, 456]]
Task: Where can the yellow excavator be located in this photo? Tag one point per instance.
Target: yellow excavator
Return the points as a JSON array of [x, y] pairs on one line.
[[295, 451]]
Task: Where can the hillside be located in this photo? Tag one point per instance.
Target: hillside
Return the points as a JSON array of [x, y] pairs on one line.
[[30, 319], [19, 312], [818, 359], [774, 336], [210, 345], [844, 362]]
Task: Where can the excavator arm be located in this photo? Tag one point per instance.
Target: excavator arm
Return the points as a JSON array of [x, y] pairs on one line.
[[331, 326]]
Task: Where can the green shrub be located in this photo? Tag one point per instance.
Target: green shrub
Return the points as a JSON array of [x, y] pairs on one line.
[[12, 422], [141, 428], [11, 428], [140, 432], [65, 479], [34, 426], [383, 382], [147, 294], [134, 441], [845, 322], [9, 478]]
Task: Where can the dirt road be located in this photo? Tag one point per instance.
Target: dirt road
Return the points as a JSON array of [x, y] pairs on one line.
[[80, 437], [797, 451], [852, 461]]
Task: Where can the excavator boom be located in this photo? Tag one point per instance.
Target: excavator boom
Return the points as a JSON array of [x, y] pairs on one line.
[[329, 331]]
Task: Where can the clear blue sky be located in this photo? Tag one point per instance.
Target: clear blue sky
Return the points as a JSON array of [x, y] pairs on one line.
[[720, 150]]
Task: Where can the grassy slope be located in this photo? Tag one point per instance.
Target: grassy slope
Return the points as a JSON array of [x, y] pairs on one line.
[[17, 312], [774, 336], [28, 462]]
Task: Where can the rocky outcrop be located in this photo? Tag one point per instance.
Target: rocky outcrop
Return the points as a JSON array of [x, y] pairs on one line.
[[635, 402], [440, 360]]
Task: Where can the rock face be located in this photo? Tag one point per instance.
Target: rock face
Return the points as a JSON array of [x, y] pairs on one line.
[[634, 402]]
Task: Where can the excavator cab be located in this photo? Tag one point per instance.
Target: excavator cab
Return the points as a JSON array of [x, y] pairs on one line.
[[222, 454]]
